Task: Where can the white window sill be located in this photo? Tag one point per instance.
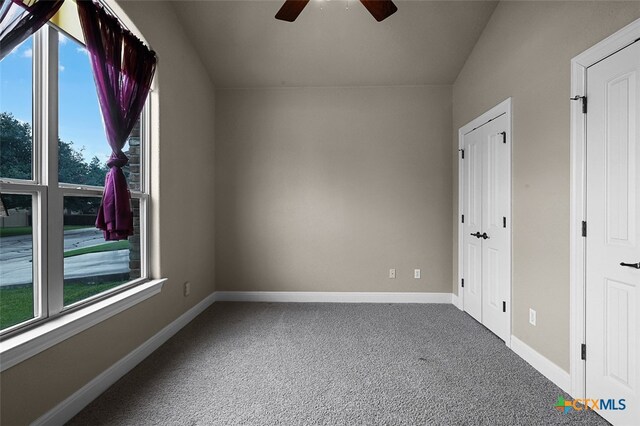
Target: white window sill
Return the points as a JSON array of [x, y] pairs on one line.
[[33, 341]]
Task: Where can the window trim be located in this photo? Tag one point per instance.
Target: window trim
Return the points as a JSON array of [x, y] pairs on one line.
[[39, 237], [67, 324], [52, 321]]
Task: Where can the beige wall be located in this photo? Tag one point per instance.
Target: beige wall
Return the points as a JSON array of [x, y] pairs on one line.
[[325, 189], [185, 206], [525, 52]]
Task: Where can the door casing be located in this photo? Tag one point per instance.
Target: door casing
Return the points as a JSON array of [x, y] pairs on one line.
[[577, 283], [503, 107]]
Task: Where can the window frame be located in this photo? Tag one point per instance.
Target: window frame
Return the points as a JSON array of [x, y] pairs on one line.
[[48, 197]]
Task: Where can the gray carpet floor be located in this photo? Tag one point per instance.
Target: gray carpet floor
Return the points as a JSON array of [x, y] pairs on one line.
[[332, 364]]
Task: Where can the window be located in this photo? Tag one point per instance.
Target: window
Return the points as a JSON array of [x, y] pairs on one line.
[[53, 157]]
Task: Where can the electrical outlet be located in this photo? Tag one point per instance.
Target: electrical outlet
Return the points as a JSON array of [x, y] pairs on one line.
[[532, 317], [392, 273], [416, 274], [187, 288]]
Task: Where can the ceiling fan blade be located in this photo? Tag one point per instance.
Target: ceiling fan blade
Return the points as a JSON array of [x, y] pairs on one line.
[[291, 9], [380, 9]]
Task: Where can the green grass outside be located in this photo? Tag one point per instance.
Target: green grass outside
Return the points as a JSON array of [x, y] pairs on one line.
[[27, 230], [78, 291], [16, 303]]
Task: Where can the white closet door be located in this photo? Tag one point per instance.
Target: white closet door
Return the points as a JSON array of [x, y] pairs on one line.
[[613, 234], [495, 244], [473, 196], [486, 238]]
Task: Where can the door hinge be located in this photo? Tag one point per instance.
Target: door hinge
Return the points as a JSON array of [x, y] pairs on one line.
[[584, 102], [584, 228], [462, 218], [504, 222], [462, 153], [462, 283], [504, 306], [583, 352], [504, 137]]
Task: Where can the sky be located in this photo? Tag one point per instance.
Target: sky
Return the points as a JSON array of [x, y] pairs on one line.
[[80, 121]]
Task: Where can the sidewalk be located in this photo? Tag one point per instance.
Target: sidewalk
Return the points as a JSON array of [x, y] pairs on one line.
[[16, 254]]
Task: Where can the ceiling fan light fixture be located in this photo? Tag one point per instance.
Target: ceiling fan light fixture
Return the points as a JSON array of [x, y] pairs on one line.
[[379, 9], [291, 9]]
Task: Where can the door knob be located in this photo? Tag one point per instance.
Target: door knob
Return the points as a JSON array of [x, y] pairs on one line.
[[631, 265], [477, 235], [484, 236]]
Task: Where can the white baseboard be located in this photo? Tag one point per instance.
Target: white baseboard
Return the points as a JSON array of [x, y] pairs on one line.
[[331, 297], [547, 368], [71, 406]]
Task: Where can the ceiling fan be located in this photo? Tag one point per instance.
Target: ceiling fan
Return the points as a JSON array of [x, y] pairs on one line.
[[380, 9]]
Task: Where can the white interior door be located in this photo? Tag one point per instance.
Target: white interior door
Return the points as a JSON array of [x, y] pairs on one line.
[[613, 233], [473, 196], [486, 235], [496, 268]]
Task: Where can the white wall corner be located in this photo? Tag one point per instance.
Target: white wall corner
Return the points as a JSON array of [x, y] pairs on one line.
[[547, 368], [71, 406]]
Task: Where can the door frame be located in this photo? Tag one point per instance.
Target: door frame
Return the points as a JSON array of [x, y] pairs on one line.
[[503, 108], [577, 282]]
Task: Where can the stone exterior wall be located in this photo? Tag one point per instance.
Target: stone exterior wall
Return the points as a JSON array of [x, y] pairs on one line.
[[133, 178]]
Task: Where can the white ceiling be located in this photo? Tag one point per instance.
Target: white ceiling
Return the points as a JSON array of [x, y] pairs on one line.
[[243, 45]]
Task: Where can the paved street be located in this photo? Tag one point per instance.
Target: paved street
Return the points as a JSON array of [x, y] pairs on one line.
[[16, 253]]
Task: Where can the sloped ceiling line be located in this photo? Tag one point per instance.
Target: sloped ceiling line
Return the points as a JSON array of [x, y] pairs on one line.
[[242, 45]]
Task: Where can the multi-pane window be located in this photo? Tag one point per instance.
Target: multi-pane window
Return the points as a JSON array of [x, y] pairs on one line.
[[53, 155]]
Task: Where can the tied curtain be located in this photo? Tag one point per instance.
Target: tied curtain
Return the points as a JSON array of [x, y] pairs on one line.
[[19, 20], [123, 69]]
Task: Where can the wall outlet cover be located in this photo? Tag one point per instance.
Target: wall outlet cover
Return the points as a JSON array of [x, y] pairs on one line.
[[392, 273]]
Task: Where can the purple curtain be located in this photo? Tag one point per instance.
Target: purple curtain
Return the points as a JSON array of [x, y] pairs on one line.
[[123, 68], [18, 21]]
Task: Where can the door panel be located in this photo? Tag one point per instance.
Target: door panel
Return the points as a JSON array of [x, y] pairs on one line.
[[472, 268], [618, 298], [618, 147], [473, 282], [613, 181], [474, 181], [495, 249], [493, 295], [494, 177]]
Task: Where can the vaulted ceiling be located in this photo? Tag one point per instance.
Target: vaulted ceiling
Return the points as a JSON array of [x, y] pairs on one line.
[[333, 42]]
